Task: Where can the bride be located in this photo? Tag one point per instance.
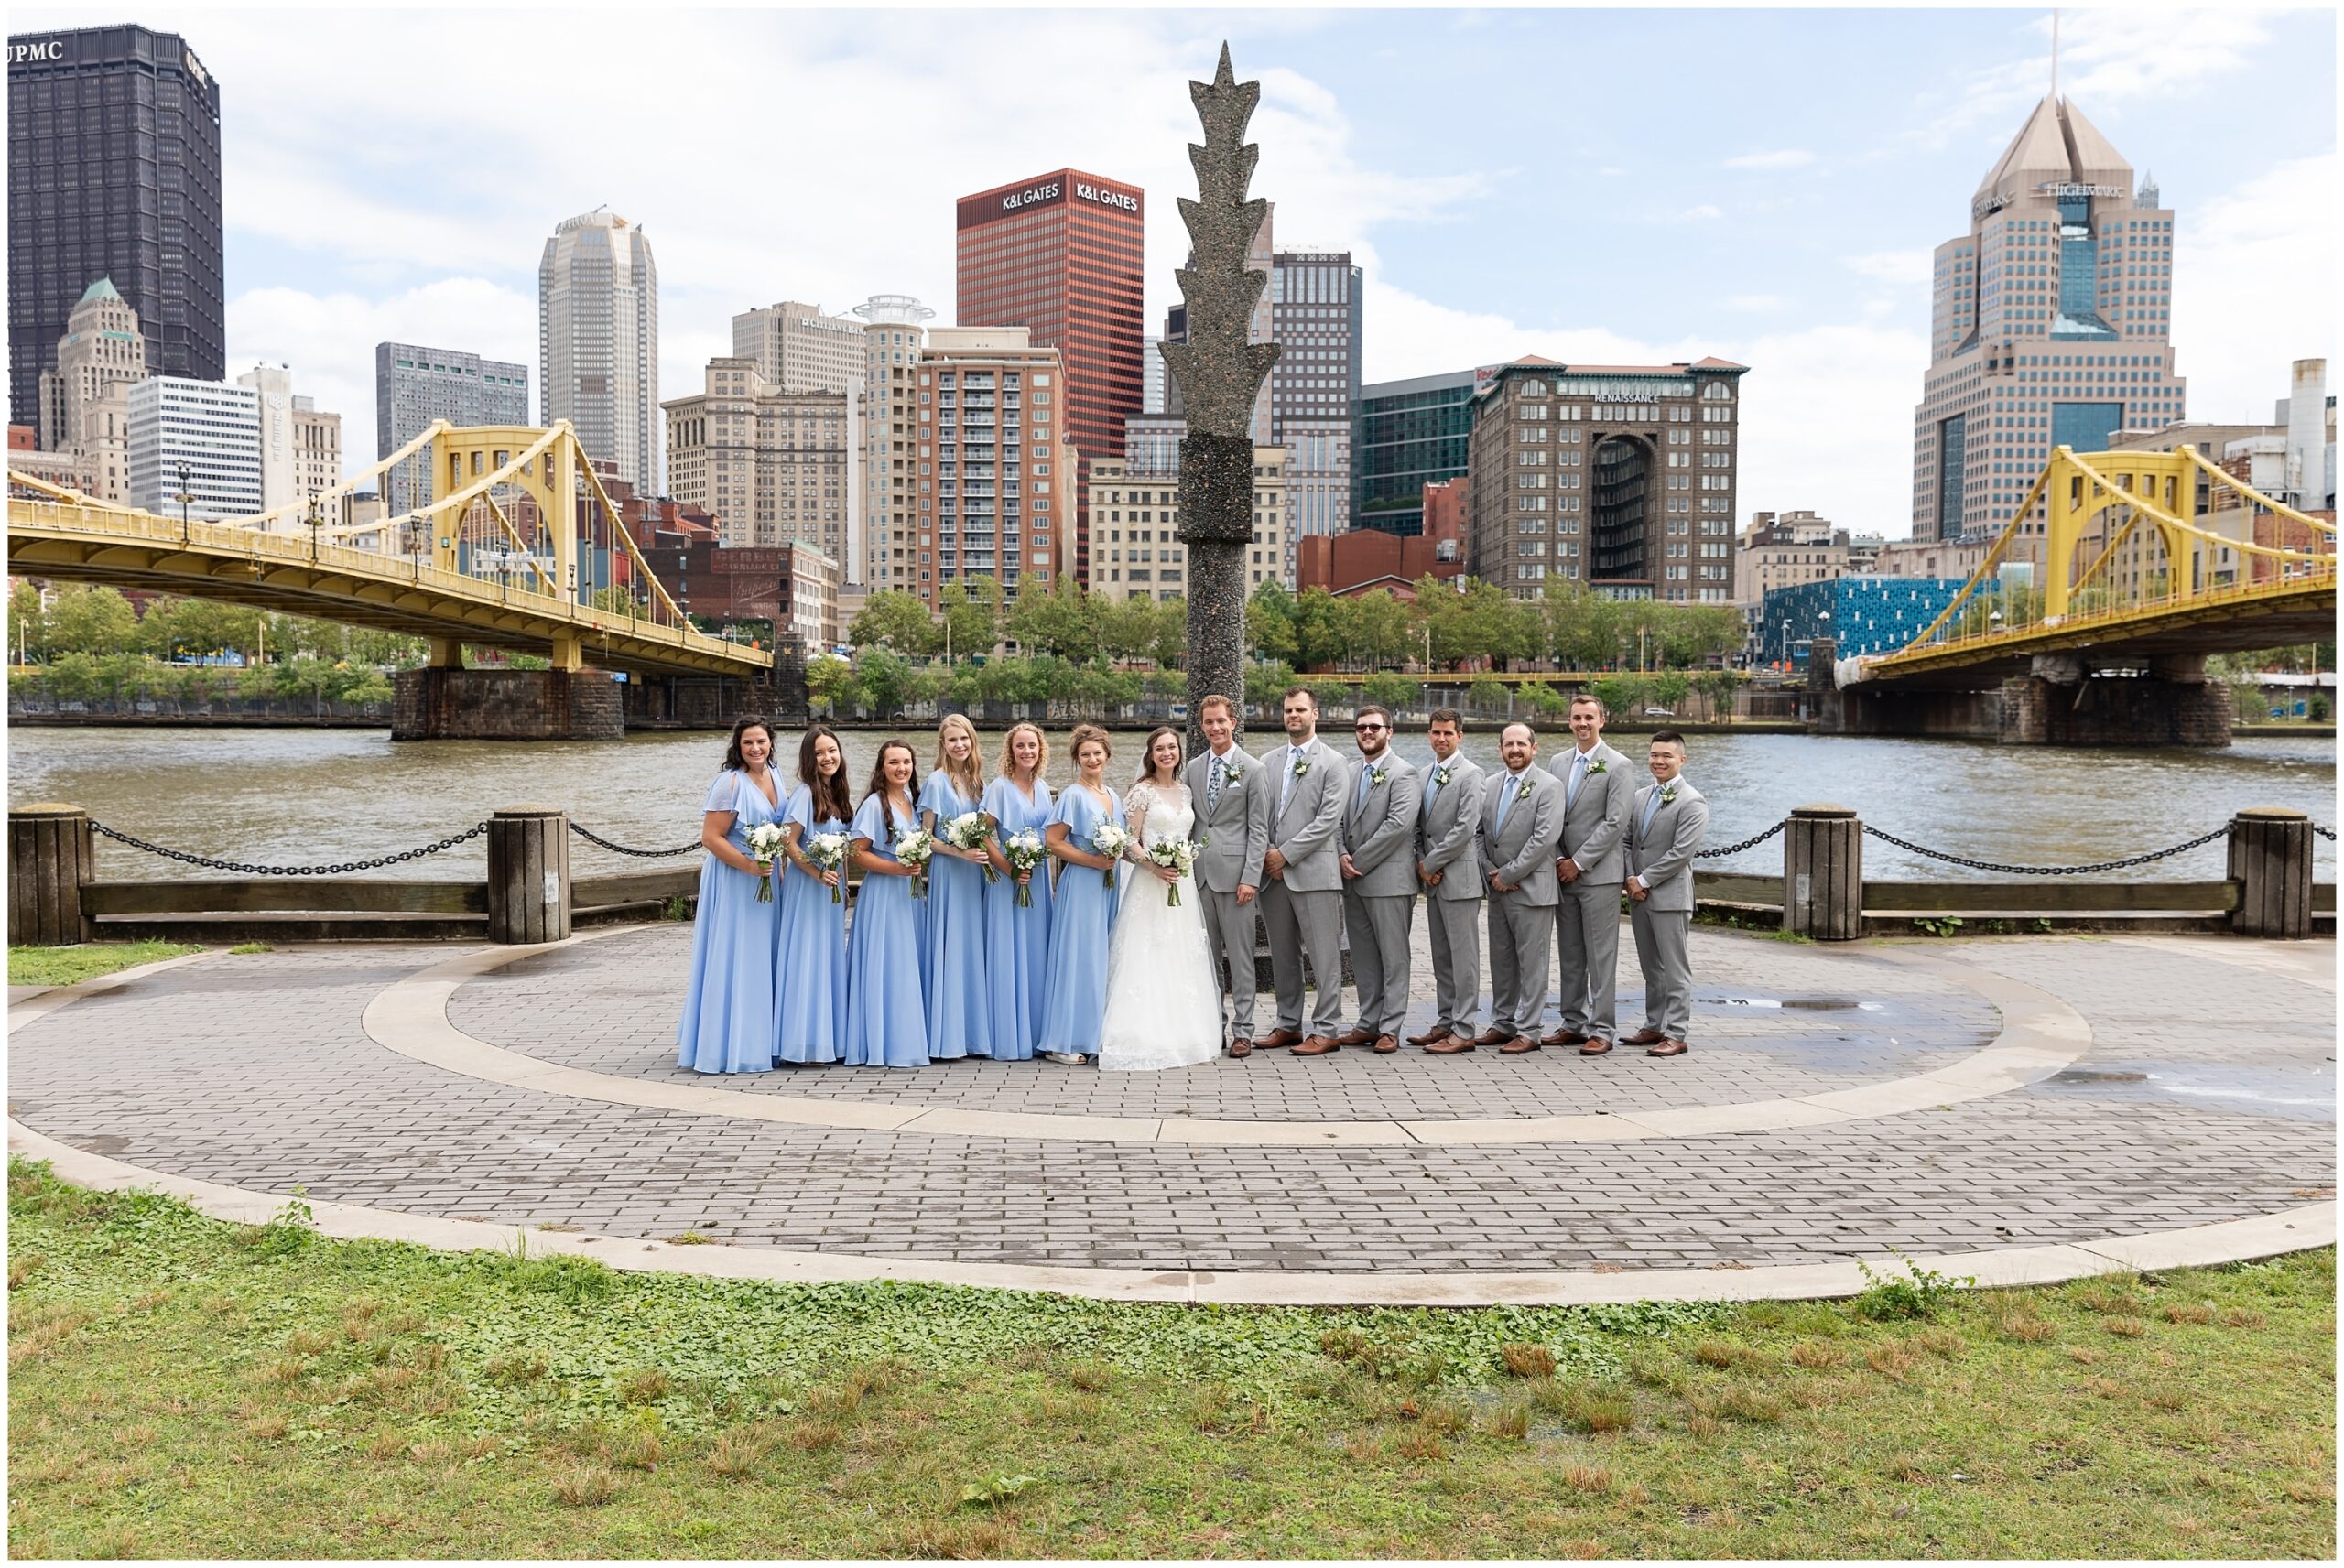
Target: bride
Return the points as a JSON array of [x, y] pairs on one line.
[[1163, 1002]]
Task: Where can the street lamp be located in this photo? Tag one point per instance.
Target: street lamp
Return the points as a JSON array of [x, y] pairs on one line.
[[316, 521], [186, 498]]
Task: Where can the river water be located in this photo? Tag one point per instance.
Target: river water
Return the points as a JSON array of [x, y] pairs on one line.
[[295, 796]]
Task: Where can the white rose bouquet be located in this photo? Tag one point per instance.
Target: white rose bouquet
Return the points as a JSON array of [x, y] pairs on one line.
[[914, 849], [765, 844], [970, 832], [827, 850], [1111, 840], [1179, 855], [1024, 852]]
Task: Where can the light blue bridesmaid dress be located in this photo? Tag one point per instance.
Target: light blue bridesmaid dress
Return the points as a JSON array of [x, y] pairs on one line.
[[809, 983], [952, 954], [727, 1024], [1017, 941], [1083, 915], [886, 1019]]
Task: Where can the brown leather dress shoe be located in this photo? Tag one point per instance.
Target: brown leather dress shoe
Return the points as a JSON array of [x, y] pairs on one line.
[[1668, 1048], [1428, 1037], [1494, 1036], [1644, 1037], [1565, 1037], [1448, 1044], [1518, 1045], [1594, 1047], [1277, 1037], [1319, 1045], [1239, 1046], [1355, 1037], [1387, 1043]]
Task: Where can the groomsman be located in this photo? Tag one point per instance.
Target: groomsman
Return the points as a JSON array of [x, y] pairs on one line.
[[1663, 834], [1379, 868], [1599, 791], [1449, 865], [1302, 904], [1522, 815], [1233, 822]]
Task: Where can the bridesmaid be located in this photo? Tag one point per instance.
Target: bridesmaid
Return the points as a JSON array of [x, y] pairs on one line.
[[727, 1023], [1017, 941], [952, 954], [886, 1021], [1074, 993], [810, 970]]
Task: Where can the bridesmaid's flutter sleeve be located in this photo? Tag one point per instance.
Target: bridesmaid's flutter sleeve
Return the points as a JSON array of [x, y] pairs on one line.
[[725, 795], [868, 822], [800, 810]]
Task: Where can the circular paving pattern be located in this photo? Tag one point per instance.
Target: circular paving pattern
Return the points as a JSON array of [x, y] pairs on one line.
[[2024, 1110]]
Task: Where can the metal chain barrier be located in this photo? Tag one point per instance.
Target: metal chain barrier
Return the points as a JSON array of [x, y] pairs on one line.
[[2327, 833], [593, 838], [474, 831], [2199, 842], [1737, 848]]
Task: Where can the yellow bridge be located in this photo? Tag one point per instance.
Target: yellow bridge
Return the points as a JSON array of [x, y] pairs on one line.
[[2130, 565], [494, 561]]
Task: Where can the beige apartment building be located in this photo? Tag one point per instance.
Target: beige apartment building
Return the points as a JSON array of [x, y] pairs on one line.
[[996, 464], [84, 402], [771, 466], [797, 349], [1780, 549], [1136, 549], [1621, 477], [317, 448], [894, 330]]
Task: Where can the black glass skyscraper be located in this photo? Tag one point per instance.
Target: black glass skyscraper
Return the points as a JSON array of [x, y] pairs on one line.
[[114, 171]]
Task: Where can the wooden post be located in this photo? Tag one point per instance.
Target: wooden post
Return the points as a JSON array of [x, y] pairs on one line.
[[528, 875], [2271, 861], [1823, 873], [52, 855]]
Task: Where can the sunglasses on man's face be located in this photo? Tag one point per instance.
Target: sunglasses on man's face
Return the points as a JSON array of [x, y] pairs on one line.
[[1367, 728]]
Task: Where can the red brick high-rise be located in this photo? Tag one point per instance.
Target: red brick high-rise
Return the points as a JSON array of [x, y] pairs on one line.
[[1061, 255]]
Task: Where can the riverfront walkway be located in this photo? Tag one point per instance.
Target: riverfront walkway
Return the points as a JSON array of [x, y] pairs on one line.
[[2029, 1108]]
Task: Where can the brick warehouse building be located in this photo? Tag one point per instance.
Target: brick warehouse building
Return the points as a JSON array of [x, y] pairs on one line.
[[1061, 255]]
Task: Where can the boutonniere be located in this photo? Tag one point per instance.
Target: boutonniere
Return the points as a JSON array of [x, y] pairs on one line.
[[1440, 775], [1522, 791], [1598, 766], [1669, 795], [1233, 770], [1301, 766], [1379, 774]]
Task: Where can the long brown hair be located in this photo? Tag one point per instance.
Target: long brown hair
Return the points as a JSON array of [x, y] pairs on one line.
[[878, 785], [1147, 754], [742, 726], [831, 799]]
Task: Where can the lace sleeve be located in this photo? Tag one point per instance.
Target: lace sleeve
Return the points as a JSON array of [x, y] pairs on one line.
[[1135, 808]]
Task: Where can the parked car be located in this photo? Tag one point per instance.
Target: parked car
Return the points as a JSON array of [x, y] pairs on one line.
[[1658, 713]]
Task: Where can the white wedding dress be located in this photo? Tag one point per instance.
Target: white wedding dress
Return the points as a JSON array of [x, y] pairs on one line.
[[1163, 1002]]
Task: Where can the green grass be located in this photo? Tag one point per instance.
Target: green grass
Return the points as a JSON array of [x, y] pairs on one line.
[[182, 1386], [66, 965]]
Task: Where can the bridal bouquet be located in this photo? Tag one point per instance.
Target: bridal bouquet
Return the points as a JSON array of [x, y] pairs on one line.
[[1024, 852], [765, 843], [827, 850], [1180, 855], [914, 849], [972, 832], [1111, 841]]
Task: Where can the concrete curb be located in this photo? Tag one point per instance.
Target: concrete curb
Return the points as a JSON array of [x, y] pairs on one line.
[[2040, 1035], [2291, 1230]]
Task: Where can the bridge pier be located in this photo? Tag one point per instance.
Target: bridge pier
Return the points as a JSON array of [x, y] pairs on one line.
[[2172, 705], [439, 703]]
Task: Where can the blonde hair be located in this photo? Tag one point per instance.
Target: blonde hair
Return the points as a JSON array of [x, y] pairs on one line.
[[1008, 768], [968, 775]]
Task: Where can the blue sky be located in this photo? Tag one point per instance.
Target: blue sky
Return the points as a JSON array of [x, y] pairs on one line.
[[1587, 184]]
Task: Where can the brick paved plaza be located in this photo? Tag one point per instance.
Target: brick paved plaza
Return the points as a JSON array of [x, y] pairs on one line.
[[1937, 1097]]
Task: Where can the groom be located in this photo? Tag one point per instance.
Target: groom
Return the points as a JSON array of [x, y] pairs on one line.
[[1233, 821], [1302, 904]]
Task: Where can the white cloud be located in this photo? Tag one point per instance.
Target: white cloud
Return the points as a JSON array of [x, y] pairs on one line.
[[1910, 267], [1785, 158], [1757, 301], [1702, 213], [2255, 288]]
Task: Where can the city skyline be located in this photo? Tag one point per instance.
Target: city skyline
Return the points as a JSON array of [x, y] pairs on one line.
[[1787, 224]]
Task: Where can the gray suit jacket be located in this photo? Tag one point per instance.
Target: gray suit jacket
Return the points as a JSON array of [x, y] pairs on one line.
[[1307, 830], [1522, 851], [1449, 831], [1380, 828], [1594, 819], [1662, 855], [1238, 831]]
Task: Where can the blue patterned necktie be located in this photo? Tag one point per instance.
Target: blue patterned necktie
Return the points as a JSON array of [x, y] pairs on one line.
[[1212, 787]]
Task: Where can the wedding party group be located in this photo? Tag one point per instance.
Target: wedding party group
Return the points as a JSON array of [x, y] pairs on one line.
[[1003, 920]]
